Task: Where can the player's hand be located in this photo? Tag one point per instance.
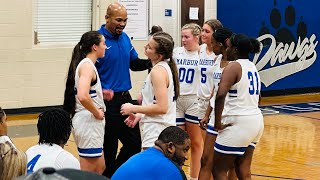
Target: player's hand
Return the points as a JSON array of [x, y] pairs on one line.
[[126, 109], [221, 126], [204, 123], [99, 115], [107, 94], [132, 120]]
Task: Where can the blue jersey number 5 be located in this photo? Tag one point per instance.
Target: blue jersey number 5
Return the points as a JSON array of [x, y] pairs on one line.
[[203, 75], [32, 163]]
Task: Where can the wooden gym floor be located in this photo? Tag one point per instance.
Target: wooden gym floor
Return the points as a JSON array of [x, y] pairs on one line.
[[288, 149]]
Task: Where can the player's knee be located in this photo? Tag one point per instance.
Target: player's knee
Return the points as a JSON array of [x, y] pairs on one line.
[[197, 146]]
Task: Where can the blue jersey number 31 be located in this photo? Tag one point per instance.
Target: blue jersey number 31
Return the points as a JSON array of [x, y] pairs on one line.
[[254, 83]]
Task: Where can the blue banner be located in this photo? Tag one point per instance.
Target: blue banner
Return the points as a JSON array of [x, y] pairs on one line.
[[289, 31]]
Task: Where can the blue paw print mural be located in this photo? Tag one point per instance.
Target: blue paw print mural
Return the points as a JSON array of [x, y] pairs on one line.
[[287, 48], [288, 30], [284, 25]]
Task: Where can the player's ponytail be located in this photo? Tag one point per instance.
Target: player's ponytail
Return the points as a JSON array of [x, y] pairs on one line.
[[80, 51], [174, 70], [165, 48], [69, 102]]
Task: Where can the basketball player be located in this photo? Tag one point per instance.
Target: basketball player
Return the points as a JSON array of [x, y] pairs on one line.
[[54, 128], [206, 65], [238, 118], [219, 46], [84, 101], [187, 59], [159, 93]]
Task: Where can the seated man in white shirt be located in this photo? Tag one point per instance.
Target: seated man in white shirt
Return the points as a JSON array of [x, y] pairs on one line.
[[54, 128]]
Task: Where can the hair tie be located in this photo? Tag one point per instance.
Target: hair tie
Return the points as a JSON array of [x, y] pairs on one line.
[[80, 44]]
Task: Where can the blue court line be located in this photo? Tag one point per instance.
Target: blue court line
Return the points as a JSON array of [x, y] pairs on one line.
[[268, 111], [291, 108], [306, 117], [276, 177]]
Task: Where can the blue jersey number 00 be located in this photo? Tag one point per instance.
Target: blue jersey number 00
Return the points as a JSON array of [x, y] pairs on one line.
[[186, 75]]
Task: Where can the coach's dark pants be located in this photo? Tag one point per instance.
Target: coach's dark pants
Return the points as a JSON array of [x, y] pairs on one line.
[[116, 130]]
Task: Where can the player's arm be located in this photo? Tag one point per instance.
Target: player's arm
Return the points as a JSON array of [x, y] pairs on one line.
[[137, 64], [229, 77], [87, 75], [205, 120], [209, 109], [140, 64], [160, 84]]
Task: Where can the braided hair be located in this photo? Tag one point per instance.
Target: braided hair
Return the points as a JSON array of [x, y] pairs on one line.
[[80, 51], [195, 30], [164, 47], [54, 126], [13, 162]]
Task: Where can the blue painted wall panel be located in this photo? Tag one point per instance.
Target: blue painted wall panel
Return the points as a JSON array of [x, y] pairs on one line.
[[280, 23]]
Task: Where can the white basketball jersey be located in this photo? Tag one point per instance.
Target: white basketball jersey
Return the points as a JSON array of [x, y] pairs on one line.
[[187, 63], [216, 76], [148, 98], [243, 97], [206, 66], [95, 90], [45, 155]]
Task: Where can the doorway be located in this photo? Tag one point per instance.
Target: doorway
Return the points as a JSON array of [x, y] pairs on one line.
[[185, 9]]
